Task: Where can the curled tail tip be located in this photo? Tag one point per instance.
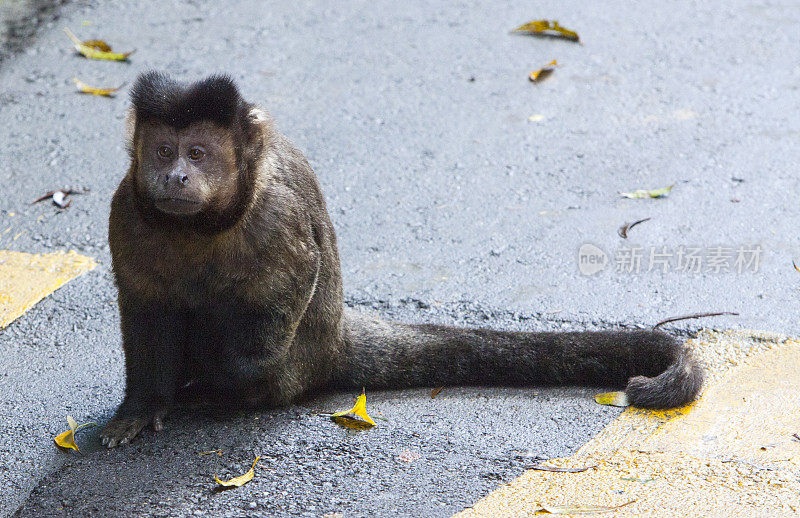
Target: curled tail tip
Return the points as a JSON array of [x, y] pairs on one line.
[[678, 385]]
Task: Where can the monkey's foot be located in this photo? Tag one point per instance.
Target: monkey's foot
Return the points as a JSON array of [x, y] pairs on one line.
[[121, 430]]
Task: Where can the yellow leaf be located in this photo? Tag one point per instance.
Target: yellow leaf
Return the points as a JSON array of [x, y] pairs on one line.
[[543, 73], [210, 452], [241, 479], [359, 409], [612, 399], [88, 89], [547, 28], [652, 193], [92, 49], [100, 45], [66, 439]]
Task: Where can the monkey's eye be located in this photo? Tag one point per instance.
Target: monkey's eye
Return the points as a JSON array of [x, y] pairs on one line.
[[195, 154], [165, 152]]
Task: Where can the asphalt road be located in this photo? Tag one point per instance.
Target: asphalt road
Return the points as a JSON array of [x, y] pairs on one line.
[[450, 206]]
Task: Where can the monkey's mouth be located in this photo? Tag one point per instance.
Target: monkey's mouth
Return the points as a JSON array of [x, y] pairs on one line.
[[180, 206]]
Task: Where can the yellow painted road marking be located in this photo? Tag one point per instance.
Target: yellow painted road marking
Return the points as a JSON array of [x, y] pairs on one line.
[[25, 279], [730, 454]]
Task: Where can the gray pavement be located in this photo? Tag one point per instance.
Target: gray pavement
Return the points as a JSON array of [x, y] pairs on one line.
[[450, 206]]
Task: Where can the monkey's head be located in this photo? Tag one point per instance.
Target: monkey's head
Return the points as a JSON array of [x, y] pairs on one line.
[[194, 150]]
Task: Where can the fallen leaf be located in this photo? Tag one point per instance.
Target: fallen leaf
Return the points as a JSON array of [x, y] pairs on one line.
[[59, 197], [66, 439], [241, 479], [652, 193], [218, 452], [543, 73], [612, 399], [557, 469], [359, 409], [795, 266], [92, 49], [581, 509], [623, 230], [100, 45], [89, 89], [435, 392], [548, 28]]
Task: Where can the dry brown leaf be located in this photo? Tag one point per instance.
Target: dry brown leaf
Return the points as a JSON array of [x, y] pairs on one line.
[[89, 89], [241, 479], [435, 392], [548, 28], [623, 230], [543, 73], [59, 197]]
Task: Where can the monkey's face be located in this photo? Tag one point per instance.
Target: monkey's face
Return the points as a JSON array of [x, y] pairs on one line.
[[186, 171]]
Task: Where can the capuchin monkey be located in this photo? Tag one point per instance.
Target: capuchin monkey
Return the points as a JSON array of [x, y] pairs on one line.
[[230, 289]]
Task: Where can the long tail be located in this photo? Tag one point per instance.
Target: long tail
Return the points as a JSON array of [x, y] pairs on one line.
[[656, 370]]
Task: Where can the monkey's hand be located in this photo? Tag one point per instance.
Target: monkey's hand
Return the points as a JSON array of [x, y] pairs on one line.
[[130, 420]]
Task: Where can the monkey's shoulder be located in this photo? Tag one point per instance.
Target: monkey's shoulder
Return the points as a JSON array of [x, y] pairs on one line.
[[258, 260]]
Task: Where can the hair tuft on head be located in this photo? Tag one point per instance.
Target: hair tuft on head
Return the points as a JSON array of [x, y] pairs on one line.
[[158, 97]]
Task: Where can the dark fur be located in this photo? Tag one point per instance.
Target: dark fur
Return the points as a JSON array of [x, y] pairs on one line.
[[156, 96], [248, 309]]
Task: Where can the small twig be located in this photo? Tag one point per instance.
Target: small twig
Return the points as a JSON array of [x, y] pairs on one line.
[[693, 315], [623, 230], [796, 437], [556, 469]]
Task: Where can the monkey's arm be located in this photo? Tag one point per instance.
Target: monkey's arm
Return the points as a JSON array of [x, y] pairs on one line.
[[152, 335]]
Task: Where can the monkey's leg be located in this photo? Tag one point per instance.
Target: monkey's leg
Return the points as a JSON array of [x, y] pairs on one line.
[[252, 364], [152, 338]]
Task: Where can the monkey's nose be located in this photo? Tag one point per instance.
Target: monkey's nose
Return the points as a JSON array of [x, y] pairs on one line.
[[176, 177]]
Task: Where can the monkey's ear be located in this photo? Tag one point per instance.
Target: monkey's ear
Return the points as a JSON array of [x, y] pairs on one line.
[[130, 128], [258, 115]]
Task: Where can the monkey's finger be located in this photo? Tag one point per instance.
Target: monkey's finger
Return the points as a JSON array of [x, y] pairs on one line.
[[112, 431], [133, 430], [158, 420]]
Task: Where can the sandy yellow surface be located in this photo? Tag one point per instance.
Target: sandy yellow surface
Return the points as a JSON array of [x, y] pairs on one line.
[[25, 279], [732, 453]]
